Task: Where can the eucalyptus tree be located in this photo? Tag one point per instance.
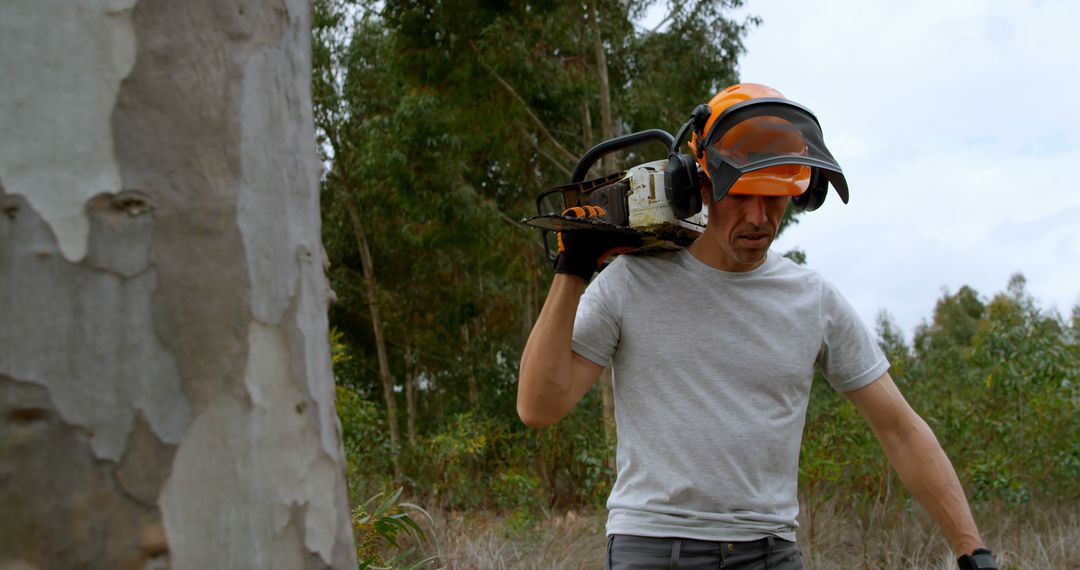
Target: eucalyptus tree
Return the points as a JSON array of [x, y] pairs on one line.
[[166, 398]]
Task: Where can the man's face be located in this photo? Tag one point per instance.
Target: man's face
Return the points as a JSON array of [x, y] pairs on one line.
[[741, 229]]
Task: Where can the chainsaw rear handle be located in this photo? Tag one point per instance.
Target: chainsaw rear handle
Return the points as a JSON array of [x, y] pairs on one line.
[[618, 143]]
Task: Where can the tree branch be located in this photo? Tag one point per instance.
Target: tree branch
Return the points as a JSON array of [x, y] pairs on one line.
[[542, 153], [528, 111], [510, 220], [671, 14]]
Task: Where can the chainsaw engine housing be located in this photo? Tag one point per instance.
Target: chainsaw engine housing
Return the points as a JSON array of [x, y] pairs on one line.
[[635, 202]]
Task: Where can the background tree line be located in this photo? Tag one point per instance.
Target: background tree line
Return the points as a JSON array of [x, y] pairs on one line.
[[440, 121]]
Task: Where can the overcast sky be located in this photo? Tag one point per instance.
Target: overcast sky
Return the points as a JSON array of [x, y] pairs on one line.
[[958, 129]]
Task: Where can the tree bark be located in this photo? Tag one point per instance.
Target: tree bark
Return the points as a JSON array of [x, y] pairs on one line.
[[436, 397], [607, 123], [166, 397], [470, 369], [586, 125], [410, 393], [377, 329]]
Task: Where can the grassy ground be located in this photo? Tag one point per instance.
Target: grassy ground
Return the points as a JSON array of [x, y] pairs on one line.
[[1025, 538], [491, 541]]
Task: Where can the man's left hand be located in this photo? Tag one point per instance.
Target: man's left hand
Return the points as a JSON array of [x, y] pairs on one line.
[[980, 559]]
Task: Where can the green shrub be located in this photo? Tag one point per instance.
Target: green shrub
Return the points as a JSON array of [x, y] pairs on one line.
[[367, 446], [377, 531]]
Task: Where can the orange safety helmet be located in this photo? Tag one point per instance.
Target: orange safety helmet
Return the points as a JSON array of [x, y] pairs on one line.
[[756, 141]]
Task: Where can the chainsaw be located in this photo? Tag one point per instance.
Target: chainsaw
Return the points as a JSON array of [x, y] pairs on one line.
[[635, 200]]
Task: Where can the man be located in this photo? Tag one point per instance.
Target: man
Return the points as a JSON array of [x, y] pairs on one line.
[[713, 351]]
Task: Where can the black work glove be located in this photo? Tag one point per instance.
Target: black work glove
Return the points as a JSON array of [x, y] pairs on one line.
[[581, 251], [980, 559]]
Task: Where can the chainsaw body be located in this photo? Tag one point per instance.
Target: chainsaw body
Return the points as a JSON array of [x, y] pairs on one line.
[[649, 210], [635, 201]]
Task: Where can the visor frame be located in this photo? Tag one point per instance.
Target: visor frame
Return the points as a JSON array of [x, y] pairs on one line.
[[723, 174]]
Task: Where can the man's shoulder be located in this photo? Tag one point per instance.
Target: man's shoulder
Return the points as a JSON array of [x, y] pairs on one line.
[[782, 268], [637, 269], [651, 257], [780, 263], [644, 261]]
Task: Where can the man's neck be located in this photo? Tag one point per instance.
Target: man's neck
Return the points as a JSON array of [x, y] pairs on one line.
[[705, 250]]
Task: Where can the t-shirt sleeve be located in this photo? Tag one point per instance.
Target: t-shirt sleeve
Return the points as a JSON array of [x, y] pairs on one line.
[[850, 357], [598, 323]]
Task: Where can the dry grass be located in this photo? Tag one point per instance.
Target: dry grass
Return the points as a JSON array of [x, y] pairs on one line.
[[486, 541], [1025, 538]]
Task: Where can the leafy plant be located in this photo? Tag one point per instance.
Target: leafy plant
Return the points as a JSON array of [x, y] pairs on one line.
[[382, 526], [367, 447]]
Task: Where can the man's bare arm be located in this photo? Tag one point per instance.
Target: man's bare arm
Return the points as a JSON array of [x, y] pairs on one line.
[[552, 378], [918, 458]]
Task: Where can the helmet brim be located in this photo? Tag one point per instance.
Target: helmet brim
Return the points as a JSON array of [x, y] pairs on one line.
[[758, 139]]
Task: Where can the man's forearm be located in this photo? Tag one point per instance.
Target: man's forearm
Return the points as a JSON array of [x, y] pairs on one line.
[[929, 476], [545, 383]]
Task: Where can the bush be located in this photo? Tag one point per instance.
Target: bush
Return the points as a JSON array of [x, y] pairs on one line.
[[377, 531], [367, 446]]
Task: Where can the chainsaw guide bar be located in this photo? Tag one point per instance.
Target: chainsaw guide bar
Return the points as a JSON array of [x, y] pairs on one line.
[[556, 222]]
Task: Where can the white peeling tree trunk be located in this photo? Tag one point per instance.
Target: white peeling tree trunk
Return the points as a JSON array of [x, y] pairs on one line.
[[166, 397]]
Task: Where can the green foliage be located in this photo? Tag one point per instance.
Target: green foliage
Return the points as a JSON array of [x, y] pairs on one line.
[[996, 380], [484, 461], [892, 343], [458, 455], [381, 527], [518, 492], [840, 453], [339, 351], [955, 322], [797, 255], [1026, 364], [367, 445], [447, 267]]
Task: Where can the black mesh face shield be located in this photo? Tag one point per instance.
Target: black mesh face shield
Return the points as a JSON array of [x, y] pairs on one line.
[[767, 133]]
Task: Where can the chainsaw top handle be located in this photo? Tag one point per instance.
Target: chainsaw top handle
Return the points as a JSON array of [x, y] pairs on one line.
[[618, 143]]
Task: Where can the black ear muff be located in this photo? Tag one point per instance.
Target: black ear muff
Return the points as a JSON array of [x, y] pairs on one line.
[[815, 193], [681, 174], [681, 185]]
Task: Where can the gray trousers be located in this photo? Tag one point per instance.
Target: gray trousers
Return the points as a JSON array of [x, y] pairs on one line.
[[625, 552]]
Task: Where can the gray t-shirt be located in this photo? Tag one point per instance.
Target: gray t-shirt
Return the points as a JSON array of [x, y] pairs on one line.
[[712, 374]]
